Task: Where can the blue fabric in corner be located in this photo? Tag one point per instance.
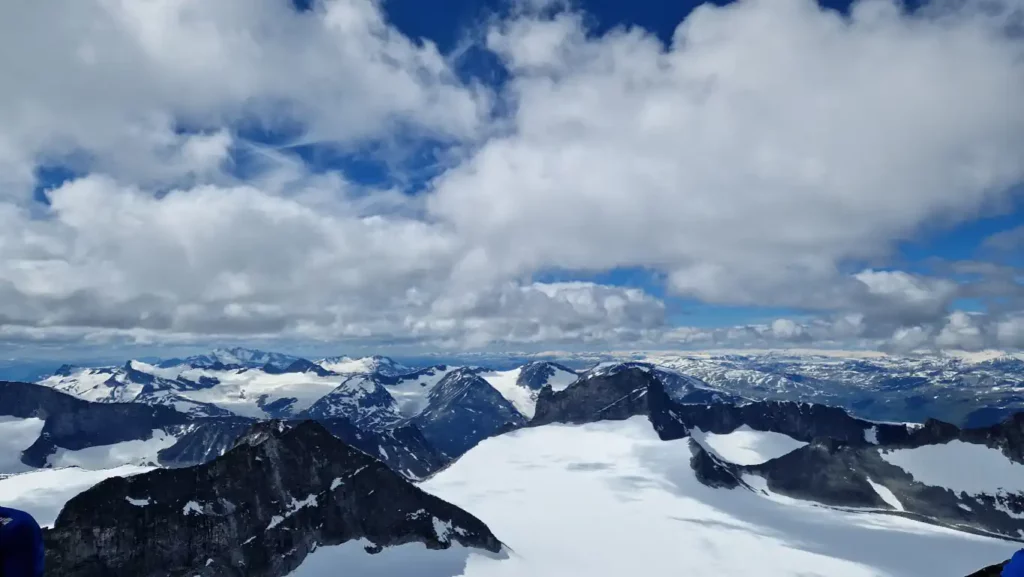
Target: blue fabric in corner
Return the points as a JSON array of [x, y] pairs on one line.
[[21, 544], [1015, 568]]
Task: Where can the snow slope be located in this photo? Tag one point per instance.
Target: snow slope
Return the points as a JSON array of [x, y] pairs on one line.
[[411, 394], [610, 499], [960, 466], [522, 398], [745, 446], [43, 492], [16, 435], [245, 392], [139, 452]]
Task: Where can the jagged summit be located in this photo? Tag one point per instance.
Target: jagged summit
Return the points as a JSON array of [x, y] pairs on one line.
[[258, 510]]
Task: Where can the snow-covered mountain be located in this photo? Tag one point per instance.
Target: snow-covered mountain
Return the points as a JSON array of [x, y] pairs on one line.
[[967, 391], [360, 399], [276, 496], [643, 467], [464, 409]]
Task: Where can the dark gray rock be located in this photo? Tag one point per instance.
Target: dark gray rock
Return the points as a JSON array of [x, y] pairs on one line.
[[536, 374], [256, 511], [361, 399], [74, 424], [615, 396], [462, 410]]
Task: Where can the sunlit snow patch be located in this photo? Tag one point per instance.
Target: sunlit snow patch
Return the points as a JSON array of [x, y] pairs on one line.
[[611, 499], [138, 452], [887, 495], [16, 435], [745, 446], [961, 467], [43, 492]]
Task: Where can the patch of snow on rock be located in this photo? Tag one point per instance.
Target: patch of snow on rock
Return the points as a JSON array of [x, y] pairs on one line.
[[961, 467], [192, 508], [43, 492], [887, 495], [138, 452], [745, 446], [16, 435]]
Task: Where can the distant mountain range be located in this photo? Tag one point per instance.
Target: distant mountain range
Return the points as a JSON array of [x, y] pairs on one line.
[[205, 434]]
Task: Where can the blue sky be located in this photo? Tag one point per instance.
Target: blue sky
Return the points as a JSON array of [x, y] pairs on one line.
[[512, 176]]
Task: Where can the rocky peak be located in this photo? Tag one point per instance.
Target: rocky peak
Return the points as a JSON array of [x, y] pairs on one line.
[[257, 511], [463, 409], [536, 374], [361, 399], [615, 395]]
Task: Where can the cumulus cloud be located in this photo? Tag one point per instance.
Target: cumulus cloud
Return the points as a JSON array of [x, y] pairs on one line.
[[752, 161], [113, 82]]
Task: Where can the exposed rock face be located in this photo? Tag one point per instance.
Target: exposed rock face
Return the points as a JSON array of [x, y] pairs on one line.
[[203, 440], [76, 424], [536, 374], [462, 410], [594, 398], [362, 399], [839, 466], [256, 511], [802, 421], [990, 571], [403, 448]]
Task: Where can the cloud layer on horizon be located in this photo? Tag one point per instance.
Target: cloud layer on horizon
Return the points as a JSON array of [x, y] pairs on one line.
[[772, 155]]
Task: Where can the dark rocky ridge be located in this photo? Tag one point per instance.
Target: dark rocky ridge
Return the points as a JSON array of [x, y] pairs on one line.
[[604, 397], [257, 511], [73, 424], [838, 464], [462, 410], [536, 374]]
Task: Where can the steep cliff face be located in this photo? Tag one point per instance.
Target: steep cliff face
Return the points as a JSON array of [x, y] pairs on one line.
[[596, 397], [74, 424], [257, 511], [838, 460], [462, 410]]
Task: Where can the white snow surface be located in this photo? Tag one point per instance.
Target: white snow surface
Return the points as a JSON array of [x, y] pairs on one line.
[[43, 492], [611, 499], [410, 560], [16, 435], [411, 394], [139, 452], [561, 380], [961, 467], [97, 385], [522, 398], [871, 435], [240, 390], [886, 494], [745, 446]]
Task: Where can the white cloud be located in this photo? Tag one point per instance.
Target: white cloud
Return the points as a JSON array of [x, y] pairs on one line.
[[772, 142], [750, 162], [111, 79]]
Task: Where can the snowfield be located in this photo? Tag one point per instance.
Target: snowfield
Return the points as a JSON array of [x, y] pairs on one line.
[[611, 499], [412, 394], [522, 398], [43, 492], [960, 466], [141, 452], [745, 446], [16, 435]]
